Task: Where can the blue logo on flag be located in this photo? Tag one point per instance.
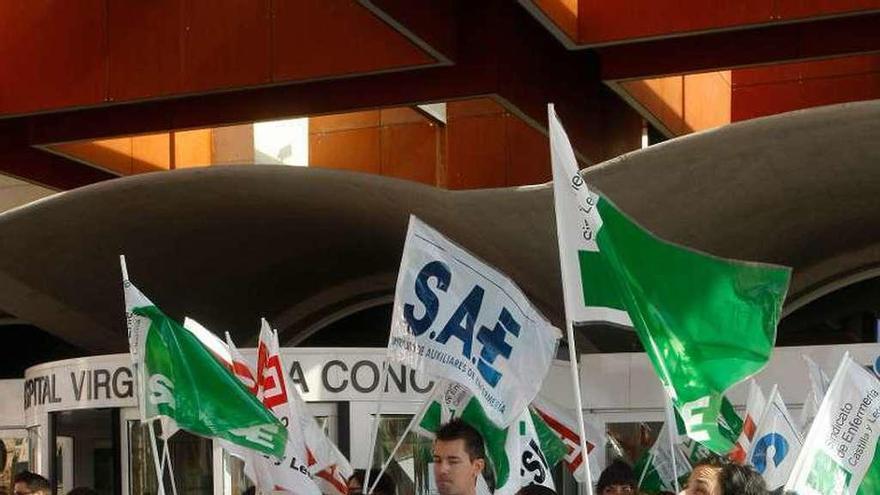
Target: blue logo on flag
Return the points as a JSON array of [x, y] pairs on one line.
[[780, 446]]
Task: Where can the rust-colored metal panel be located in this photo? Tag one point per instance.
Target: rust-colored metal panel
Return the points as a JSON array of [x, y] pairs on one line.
[[768, 99], [832, 37], [355, 149], [749, 102], [144, 40], [409, 151], [343, 121], [314, 38], [150, 153], [109, 154], [604, 22], [226, 44], [476, 150], [706, 100], [831, 90], [469, 108], [563, 13], [797, 9], [840, 66], [663, 98], [529, 152], [401, 115], [52, 54], [765, 74], [192, 148]]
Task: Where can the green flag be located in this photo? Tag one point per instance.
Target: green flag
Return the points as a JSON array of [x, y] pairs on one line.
[[178, 378], [705, 322], [523, 453]]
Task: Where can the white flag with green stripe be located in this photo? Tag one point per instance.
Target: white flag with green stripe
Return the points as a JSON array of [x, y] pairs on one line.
[[705, 322], [840, 456]]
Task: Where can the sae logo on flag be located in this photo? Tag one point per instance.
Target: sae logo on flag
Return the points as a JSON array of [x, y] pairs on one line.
[[457, 318]]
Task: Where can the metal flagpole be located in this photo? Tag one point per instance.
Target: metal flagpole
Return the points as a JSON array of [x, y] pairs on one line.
[[167, 455], [575, 378], [383, 383], [671, 431], [387, 462], [156, 462], [569, 332]]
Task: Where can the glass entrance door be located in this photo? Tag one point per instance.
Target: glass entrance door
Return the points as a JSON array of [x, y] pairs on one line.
[[86, 450]]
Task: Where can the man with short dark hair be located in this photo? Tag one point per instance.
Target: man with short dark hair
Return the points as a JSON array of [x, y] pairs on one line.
[[458, 458], [28, 483], [736, 479]]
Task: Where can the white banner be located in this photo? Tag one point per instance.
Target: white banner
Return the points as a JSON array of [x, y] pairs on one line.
[[776, 443], [839, 453], [456, 317]]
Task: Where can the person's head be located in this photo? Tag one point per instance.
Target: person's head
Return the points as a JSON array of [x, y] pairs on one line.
[[617, 478], [385, 486], [704, 479], [533, 489], [458, 458], [737, 479], [28, 483]]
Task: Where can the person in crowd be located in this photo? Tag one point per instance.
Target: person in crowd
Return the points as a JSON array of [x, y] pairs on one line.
[[616, 479], [458, 458], [705, 478], [28, 483], [533, 489], [385, 486], [736, 479]]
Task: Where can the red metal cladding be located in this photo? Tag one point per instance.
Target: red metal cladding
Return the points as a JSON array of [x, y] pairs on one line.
[[52, 54], [144, 48]]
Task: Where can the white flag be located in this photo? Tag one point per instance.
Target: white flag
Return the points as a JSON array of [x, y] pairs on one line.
[[819, 381], [839, 456], [269, 384], [455, 317], [818, 385], [564, 424], [776, 444], [755, 406]]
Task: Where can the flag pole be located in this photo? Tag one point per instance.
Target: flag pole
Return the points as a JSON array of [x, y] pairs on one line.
[[167, 455], [387, 462], [569, 331], [160, 478], [158, 465], [383, 383], [575, 378], [671, 431]]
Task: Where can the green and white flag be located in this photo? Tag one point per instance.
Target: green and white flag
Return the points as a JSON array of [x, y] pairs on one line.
[[705, 322], [654, 468], [522, 454], [178, 378], [840, 456]]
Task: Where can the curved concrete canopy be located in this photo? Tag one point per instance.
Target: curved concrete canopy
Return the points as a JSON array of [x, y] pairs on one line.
[[302, 246]]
